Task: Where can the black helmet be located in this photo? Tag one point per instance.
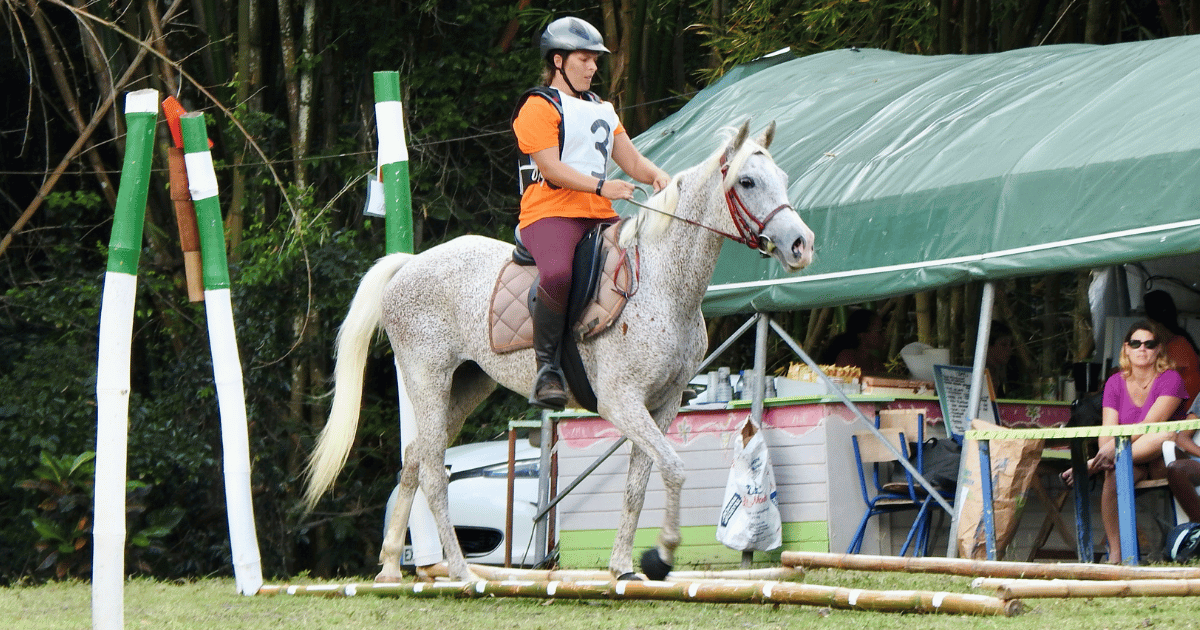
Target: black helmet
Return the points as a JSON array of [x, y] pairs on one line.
[[1182, 543], [571, 34]]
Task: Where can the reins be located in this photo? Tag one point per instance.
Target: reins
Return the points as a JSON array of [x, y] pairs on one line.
[[749, 227]]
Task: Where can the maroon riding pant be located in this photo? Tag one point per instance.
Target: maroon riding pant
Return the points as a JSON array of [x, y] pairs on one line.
[[552, 243]]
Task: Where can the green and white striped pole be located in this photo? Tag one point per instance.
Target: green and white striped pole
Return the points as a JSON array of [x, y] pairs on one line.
[[227, 367], [398, 226], [393, 163], [113, 363]]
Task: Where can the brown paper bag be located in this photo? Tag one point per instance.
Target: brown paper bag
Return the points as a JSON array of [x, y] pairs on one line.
[[1014, 463]]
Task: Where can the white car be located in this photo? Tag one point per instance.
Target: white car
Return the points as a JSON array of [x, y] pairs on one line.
[[478, 500]]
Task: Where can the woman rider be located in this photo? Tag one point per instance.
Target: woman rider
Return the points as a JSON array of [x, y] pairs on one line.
[[567, 135]]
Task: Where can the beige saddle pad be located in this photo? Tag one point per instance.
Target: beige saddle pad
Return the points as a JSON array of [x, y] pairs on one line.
[[510, 324]]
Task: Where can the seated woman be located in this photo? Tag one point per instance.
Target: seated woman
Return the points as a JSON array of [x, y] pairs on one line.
[[1146, 389], [1183, 474], [862, 344]]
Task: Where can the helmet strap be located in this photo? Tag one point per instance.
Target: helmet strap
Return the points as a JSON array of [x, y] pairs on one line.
[[557, 68]]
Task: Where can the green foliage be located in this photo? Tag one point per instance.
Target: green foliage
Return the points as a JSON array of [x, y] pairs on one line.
[[63, 526], [752, 29], [66, 492]]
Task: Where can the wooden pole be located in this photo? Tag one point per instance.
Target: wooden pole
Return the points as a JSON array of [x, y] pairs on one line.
[[1012, 589], [707, 592], [541, 575], [982, 568], [185, 210]]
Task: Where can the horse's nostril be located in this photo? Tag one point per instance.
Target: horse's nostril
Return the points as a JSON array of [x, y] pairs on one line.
[[798, 247]]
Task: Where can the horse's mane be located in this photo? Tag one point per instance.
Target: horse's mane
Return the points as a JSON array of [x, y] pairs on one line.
[[651, 223]]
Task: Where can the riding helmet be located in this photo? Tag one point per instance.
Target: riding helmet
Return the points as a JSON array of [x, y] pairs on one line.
[[1182, 543], [571, 34]]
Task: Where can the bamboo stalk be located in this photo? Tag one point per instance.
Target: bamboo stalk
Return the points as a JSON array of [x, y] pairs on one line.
[[707, 592], [982, 568], [497, 573], [1012, 589]]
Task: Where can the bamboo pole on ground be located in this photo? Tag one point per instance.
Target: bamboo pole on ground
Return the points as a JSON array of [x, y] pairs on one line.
[[497, 573], [1013, 589], [706, 592], [982, 568]]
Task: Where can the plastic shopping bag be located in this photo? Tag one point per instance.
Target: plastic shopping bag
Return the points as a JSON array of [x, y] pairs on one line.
[[750, 519]]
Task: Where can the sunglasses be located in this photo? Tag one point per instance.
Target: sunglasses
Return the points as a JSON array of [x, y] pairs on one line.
[[1138, 343]]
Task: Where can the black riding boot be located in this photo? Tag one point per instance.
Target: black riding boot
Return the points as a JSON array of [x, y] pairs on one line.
[[549, 387]]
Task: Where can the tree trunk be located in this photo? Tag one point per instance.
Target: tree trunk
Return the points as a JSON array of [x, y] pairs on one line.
[[925, 324], [248, 96], [942, 318], [1097, 18], [67, 94], [291, 82], [1051, 292]]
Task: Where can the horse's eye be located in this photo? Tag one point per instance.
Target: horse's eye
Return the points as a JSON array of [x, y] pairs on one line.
[[746, 182]]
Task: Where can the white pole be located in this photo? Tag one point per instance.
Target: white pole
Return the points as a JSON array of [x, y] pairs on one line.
[[112, 429], [974, 395], [113, 365], [392, 166], [227, 366]]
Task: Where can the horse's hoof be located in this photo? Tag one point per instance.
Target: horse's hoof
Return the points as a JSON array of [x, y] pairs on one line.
[[388, 578], [630, 577], [653, 565]]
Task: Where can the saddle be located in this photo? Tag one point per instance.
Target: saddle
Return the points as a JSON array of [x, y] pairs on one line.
[[600, 287]]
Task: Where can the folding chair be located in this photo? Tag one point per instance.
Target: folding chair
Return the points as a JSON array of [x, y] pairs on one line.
[[870, 452], [912, 423]]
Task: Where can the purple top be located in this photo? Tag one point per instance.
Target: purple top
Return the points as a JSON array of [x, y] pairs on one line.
[[1116, 396]]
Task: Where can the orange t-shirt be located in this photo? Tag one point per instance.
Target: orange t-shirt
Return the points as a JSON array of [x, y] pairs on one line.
[[1186, 363], [536, 127]]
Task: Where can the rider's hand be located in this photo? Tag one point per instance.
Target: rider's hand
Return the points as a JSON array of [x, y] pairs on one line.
[[661, 179], [617, 189]]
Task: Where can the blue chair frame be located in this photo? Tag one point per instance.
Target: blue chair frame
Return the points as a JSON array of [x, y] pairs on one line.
[[868, 451]]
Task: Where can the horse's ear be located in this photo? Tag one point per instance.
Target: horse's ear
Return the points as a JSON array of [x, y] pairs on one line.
[[742, 134], [767, 136]]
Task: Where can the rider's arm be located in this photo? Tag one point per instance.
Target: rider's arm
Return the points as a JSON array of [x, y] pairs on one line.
[[637, 165], [564, 176]]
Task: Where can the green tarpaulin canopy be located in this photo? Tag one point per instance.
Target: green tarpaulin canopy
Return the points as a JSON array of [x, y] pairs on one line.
[[919, 172]]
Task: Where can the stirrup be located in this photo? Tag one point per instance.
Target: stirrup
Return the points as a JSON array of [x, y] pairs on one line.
[[552, 400]]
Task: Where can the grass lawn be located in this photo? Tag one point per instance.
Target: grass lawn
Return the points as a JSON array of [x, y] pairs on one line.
[[213, 604]]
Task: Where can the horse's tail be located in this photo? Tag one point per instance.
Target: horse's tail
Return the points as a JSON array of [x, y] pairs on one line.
[[353, 344]]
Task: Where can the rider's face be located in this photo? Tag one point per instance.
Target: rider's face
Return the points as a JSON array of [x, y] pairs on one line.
[[579, 67]]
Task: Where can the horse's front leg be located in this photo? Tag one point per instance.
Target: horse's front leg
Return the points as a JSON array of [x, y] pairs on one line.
[[657, 563], [648, 441], [621, 561]]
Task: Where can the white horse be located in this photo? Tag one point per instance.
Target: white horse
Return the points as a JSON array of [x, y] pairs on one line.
[[435, 305]]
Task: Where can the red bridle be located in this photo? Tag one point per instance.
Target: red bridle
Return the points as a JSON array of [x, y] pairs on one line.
[[749, 227]]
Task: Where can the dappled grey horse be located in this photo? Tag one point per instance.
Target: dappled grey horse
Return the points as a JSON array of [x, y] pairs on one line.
[[435, 306]]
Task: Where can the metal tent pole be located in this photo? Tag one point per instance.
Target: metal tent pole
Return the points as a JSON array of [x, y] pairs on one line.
[[974, 394]]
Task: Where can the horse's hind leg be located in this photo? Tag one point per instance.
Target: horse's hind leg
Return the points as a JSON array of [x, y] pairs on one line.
[[426, 468], [441, 416], [392, 550]]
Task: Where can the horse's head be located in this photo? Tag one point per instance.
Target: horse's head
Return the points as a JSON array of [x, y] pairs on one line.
[[756, 194]]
